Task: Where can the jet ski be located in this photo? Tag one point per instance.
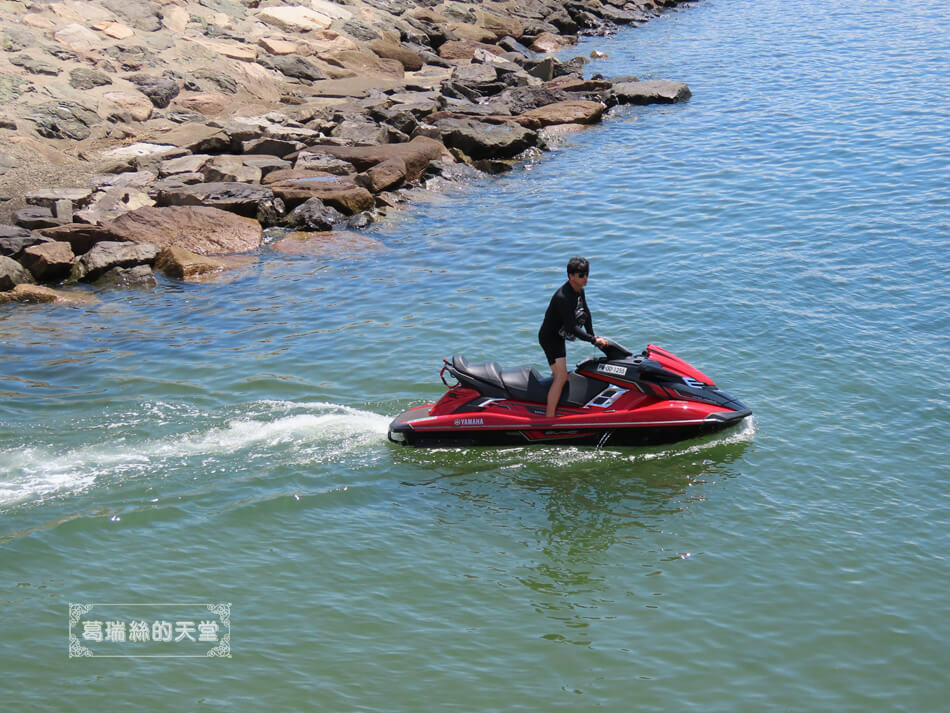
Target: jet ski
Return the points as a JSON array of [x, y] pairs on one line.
[[623, 399]]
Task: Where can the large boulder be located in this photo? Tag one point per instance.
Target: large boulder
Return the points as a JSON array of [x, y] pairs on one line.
[[110, 254], [415, 154], [481, 140], [200, 229], [295, 187], [12, 274], [567, 112], [651, 92], [48, 262]]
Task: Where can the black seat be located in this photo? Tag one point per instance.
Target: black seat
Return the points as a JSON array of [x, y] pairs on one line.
[[522, 383], [488, 372]]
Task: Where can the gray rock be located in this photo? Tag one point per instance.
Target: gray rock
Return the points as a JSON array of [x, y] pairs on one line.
[[85, 78], [12, 274], [133, 58], [108, 254], [219, 81], [359, 131], [314, 214], [139, 277], [13, 39], [34, 65], [266, 164], [14, 240], [36, 216], [160, 90], [292, 65], [651, 92], [64, 120], [480, 140], [11, 87]]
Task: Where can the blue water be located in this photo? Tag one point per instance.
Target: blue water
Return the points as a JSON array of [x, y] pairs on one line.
[[785, 231]]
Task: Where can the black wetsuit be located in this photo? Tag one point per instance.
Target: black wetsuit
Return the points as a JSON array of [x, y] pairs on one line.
[[567, 317]]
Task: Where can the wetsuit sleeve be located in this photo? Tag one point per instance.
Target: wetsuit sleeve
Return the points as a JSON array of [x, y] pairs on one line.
[[567, 313]]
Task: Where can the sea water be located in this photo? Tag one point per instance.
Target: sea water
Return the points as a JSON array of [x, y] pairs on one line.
[[785, 231]]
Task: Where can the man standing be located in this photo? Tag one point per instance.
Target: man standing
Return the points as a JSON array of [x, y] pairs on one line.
[[567, 317]]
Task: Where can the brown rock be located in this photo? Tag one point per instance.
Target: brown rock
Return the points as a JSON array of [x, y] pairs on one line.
[[197, 138], [201, 229], [335, 243], [295, 186], [570, 83], [465, 49], [409, 59], [547, 42], [366, 64], [501, 27], [383, 176], [48, 262], [135, 104], [207, 103], [37, 294], [182, 264], [473, 33], [416, 154], [567, 112]]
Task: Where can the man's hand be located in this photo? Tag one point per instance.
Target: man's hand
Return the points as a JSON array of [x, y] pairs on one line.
[[600, 342]]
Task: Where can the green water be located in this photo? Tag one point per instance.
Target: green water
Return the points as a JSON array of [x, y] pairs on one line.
[[785, 231]]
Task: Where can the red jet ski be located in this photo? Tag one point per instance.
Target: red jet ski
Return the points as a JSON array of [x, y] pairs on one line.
[[621, 399]]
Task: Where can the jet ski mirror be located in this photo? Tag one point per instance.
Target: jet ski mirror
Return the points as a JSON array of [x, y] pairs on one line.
[[615, 351]]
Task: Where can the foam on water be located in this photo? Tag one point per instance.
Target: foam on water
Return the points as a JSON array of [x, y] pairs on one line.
[[307, 432]]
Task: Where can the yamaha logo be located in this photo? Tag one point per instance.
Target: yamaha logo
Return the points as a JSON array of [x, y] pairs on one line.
[[469, 422]]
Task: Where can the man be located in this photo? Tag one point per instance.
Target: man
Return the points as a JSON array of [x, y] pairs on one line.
[[567, 317]]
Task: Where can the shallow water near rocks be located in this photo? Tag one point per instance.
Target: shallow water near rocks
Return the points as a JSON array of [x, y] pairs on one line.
[[785, 231]]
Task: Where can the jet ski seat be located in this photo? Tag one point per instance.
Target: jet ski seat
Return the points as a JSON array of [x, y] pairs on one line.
[[488, 372], [522, 383]]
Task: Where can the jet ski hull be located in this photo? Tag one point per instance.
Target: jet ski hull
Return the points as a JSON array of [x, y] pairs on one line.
[[407, 429], [650, 399]]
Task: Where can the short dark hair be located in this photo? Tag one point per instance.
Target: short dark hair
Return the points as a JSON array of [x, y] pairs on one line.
[[578, 266]]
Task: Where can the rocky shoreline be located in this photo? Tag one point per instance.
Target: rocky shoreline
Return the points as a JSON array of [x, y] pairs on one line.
[[173, 135]]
